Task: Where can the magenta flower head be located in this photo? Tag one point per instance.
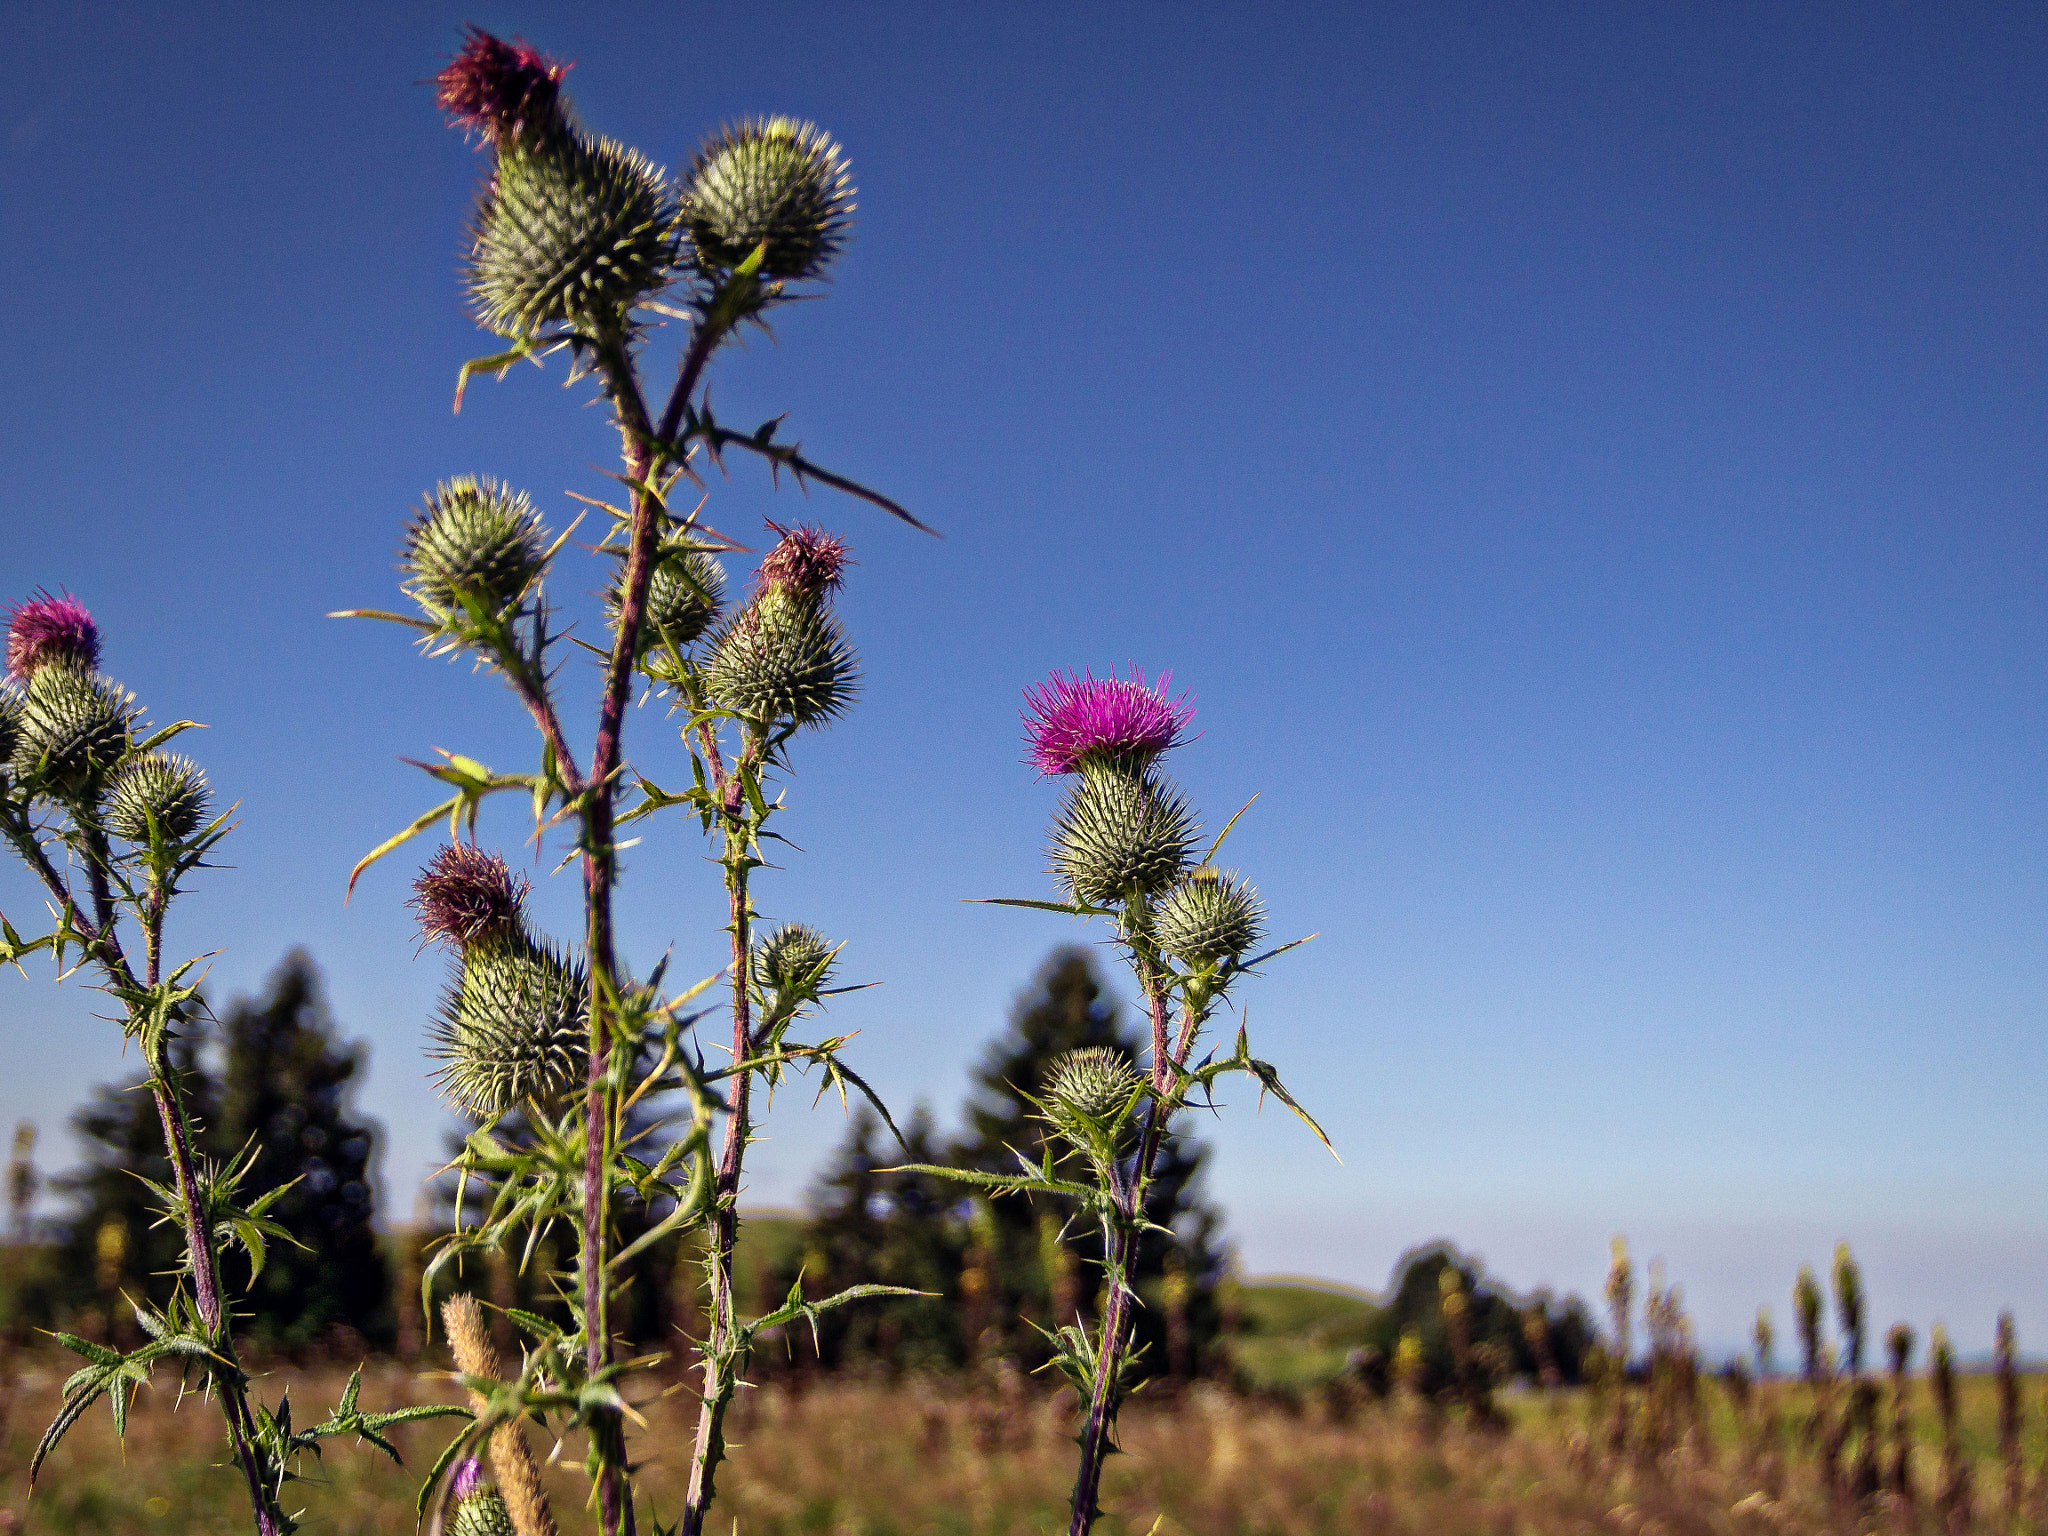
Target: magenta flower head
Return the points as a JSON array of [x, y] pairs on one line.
[[500, 91], [46, 629], [468, 1473], [465, 895], [1073, 722], [806, 562]]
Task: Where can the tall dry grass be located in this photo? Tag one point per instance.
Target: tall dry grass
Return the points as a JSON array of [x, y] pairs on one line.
[[869, 1459]]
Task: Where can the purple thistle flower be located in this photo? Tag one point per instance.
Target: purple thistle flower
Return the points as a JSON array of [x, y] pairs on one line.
[[46, 629], [1072, 719], [465, 894], [806, 560], [468, 1473], [499, 90]]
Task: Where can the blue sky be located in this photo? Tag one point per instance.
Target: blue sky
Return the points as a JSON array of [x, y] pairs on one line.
[[1587, 461]]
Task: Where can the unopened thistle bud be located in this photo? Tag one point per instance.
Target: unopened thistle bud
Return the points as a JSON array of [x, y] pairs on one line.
[[468, 896], [159, 787], [483, 1513], [796, 960], [570, 231], [781, 660], [512, 1026], [775, 180], [685, 590], [1095, 1081], [473, 537], [73, 731], [1209, 917], [501, 91], [1119, 836], [1074, 723], [48, 629]]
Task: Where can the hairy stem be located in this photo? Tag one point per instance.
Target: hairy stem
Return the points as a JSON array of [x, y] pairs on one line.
[[719, 1364]]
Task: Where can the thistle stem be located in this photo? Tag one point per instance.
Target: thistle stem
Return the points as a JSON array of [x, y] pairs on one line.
[[719, 1365], [1107, 1395]]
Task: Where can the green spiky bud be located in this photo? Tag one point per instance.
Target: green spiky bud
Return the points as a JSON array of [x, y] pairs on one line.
[[773, 179], [73, 730], [483, 1513], [795, 959], [1209, 917], [476, 536], [513, 1026], [10, 724], [1095, 1081], [685, 591], [784, 659], [163, 786], [572, 231], [1118, 835]]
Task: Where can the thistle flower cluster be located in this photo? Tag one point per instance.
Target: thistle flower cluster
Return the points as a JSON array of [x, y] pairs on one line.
[[1124, 836], [784, 660], [575, 232], [513, 1022]]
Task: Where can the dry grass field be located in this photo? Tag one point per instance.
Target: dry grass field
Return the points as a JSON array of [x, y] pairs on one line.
[[869, 1459]]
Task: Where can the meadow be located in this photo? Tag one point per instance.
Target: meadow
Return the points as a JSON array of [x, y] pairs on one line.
[[878, 1457]]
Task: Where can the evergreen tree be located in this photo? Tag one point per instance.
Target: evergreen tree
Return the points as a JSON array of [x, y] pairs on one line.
[[284, 1090], [1038, 1269], [288, 1084], [874, 1228]]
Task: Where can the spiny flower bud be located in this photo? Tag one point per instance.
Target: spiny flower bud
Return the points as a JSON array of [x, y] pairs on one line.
[[477, 537], [807, 563], [775, 180], [1209, 917], [684, 593], [570, 231], [1095, 1081], [467, 896], [73, 731], [49, 629], [511, 1027], [500, 91], [1121, 835], [482, 1514], [10, 724], [784, 661], [795, 959], [163, 787], [1073, 723]]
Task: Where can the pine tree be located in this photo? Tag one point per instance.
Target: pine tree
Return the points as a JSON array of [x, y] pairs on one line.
[[1065, 1009], [288, 1084]]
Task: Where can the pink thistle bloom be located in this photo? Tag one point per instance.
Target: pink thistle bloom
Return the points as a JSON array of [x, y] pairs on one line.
[[499, 90], [46, 629], [465, 894], [1072, 719], [468, 1474], [806, 560]]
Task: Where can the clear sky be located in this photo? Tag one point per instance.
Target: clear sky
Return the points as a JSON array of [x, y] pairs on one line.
[[1587, 460]]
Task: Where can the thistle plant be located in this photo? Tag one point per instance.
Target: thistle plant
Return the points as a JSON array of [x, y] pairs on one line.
[[595, 1098], [1124, 847], [113, 825]]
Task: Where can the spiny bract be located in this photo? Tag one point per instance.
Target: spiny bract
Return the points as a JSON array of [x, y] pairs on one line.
[[794, 959], [476, 536], [483, 1513], [1120, 835], [10, 724], [570, 231], [1095, 1080], [74, 729], [684, 593], [783, 660], [512, 1027], [1210, 916], [773, 179], [162, 785]]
